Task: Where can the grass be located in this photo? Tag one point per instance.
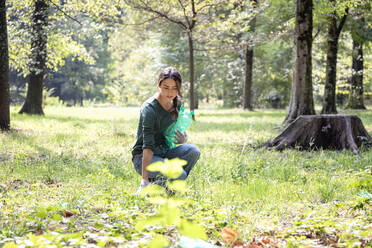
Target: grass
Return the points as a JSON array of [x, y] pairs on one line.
[[78, 159]]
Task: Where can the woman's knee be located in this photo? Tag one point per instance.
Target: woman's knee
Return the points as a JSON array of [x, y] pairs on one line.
[[194, 150]]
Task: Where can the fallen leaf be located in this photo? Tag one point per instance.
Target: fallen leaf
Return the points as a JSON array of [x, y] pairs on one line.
[[238, 243], [229, 235], [265, 241], [218, 243], [67, 213]]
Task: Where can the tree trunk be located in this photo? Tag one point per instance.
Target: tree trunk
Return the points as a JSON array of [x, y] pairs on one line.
[[34, 98], [302, 102], [4, 70], [356, 89], [247, 93], [191, 65], [224, 96], [323, 131], [329, 99], [196, 99]]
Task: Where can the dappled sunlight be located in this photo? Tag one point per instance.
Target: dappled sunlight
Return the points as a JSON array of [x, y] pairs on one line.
[[81, 157]]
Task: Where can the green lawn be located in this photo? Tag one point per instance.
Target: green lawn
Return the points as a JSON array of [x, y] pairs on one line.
[[78, 160]]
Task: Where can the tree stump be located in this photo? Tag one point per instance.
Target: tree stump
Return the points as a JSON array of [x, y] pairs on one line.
[[334, 131]]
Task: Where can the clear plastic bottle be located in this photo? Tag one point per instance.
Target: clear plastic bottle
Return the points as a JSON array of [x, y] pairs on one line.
[[183, 122]]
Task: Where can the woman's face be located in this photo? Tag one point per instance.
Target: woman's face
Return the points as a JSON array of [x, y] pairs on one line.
[[168, 89]]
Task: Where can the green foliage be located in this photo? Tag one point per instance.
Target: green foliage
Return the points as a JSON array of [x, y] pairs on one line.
[[137, 65], [100, 51], [78, 160], [169, 213], [159, 241], [169, 168], [61, 43], [333, 226]]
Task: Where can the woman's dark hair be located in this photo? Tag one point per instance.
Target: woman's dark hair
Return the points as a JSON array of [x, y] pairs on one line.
[[171, 72]]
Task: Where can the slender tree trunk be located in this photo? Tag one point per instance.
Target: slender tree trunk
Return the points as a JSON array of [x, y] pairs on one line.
[[356, 89], [34, 98], [329, 99], [4, 70], [302, 102], [196, 99], [224, 96], [247, 92], [191, 65]]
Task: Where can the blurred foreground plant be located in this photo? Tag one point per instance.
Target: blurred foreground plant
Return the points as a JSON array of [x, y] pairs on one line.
[[169, 213]]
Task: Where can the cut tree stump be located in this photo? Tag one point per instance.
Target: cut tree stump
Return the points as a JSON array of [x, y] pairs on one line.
[[335, 132]]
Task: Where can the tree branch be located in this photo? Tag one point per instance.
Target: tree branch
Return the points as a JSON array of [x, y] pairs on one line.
[[209, 5], [58, 8], [147, 8], [144, 22], [193, 21], [184, 12], [316, 34], [342, 22]]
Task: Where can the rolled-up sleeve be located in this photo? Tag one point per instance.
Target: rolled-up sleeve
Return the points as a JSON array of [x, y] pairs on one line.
[[148, 124]]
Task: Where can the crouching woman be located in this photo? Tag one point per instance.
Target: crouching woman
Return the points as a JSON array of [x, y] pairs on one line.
[[156, 115]]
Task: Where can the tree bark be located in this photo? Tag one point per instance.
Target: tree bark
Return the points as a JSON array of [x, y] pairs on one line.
[[4, 70], [301, 102], [247, 92], [34, 98], [335, 132], [356, 90], [329, 99], [191, 65]]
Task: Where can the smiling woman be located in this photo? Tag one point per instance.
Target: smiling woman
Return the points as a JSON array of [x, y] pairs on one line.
[[157, 114]]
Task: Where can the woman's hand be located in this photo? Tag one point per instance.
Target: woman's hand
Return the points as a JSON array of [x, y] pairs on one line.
[[144, 184], [180, 137]]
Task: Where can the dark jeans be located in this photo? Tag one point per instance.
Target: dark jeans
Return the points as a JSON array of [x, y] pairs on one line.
[[187, 152]]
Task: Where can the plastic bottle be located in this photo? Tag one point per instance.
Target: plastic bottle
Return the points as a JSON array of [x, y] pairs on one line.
[[183, 122]]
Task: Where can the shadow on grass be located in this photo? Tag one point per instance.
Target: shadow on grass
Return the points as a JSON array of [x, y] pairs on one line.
[[246, 114], [70, 119], [201, 126], [49, 166]]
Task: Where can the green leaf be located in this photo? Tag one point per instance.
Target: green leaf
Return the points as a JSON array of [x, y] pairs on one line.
[[177, 202], [153, 189], [178, 185], [78, 235], [170, 168], [10, 245], [192, 230], [159, 241], [99, 225], [154, 220], [52, 208], [56, 217], [158, 200], [170, 215], [41, 213]]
